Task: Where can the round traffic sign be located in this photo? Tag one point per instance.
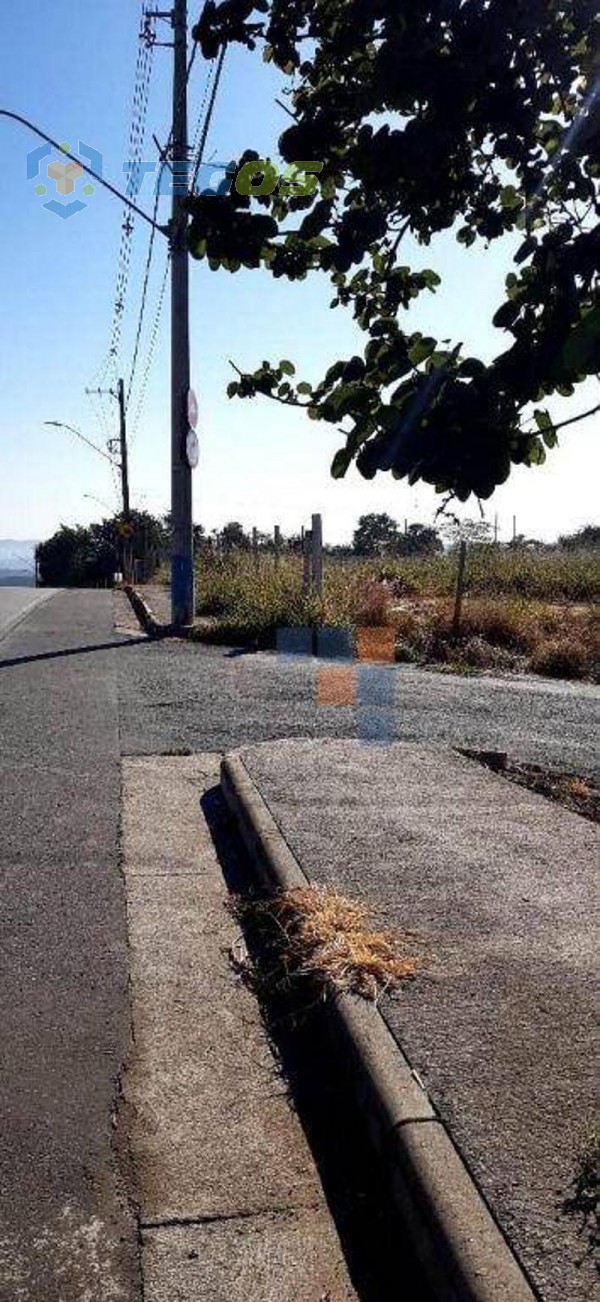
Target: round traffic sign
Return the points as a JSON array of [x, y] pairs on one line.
[[192, 449], [192, 408]]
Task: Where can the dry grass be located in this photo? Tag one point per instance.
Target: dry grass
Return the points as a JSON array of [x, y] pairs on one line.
[[316, 935], [522, 611], [503, 634]]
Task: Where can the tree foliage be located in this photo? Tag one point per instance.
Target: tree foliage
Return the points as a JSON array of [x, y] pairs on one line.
[[586, 538], [478, 117], [375, 534], [78, 557]]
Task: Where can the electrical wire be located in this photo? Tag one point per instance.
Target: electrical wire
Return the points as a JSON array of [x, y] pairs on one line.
[[137, 135], [150, 254], [208, 118], [151, 349]]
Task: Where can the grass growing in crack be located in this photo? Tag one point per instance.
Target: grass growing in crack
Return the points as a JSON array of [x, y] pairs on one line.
[[317, 937], [584, 1201]]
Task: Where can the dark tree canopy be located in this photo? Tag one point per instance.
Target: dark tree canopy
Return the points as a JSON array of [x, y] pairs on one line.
[[374, 534], [87, 556], [480, 117]]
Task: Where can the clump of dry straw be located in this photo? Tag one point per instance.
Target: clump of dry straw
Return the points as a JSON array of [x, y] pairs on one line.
[[316, 934]]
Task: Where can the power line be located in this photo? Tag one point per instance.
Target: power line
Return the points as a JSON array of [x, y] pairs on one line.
[[208, 118], [137, 135], [150, 254], [142, 311], [153, 339], [200, 118]]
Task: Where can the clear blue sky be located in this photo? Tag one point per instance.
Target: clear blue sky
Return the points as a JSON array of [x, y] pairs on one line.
[[69, 67]]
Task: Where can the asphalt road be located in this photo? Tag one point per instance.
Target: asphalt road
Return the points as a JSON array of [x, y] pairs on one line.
[[177, 696], [16, 602], [67, 1231]]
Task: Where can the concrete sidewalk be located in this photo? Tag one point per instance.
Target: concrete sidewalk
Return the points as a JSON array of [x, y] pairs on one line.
[[500, 1024], [231, 1207]]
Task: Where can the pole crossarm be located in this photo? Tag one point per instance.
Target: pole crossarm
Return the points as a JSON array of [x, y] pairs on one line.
[[17, 117]]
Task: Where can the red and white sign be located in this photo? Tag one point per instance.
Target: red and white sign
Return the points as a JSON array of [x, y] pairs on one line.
[[192, 407]]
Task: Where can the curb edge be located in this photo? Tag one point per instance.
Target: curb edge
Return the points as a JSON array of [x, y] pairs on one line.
[[459, 1244]]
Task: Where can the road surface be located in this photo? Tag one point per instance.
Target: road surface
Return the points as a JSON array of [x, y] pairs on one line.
[[177, 695], [16, 602], [74, 697], [67, 1229]]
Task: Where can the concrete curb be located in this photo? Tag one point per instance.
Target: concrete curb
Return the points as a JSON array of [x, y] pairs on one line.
[[150, 624], [154, 627], [461, 1248]]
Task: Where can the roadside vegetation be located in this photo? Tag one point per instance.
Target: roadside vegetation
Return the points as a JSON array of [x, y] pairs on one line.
[[524, 609]]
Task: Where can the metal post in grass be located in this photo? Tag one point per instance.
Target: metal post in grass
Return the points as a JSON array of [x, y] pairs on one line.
[[277, 544], [460, 587], [317, 554]]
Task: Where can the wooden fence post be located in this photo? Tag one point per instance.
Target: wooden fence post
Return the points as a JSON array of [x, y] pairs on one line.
[[317, 554], [255, 545], [460, 587], [277, 542], [307, 549]]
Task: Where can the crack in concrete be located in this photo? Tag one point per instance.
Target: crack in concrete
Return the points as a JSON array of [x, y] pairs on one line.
[[217, 1218]]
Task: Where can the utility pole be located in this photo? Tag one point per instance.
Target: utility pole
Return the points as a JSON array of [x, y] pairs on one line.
[[123, 466], [123, 451], [128, 567], [182, 553]]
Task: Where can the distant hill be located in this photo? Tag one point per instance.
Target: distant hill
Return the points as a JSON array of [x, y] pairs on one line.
[[17, 562]]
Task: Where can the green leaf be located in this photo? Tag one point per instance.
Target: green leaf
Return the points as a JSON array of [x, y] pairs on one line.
[[287, 368], [542, 419], [421, 350], [581, 346], [340, 463], [304, 387], [550, 438], [431, 278], [510, 197]]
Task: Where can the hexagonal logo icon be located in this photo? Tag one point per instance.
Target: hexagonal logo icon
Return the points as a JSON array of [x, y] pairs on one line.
[[59, 177]]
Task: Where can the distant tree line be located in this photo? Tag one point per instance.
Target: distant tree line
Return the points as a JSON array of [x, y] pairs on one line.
[[91, 556]]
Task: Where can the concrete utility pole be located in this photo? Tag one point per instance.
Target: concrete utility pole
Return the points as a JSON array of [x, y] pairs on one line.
[[123, 467], [182, 545], [123, 451], [127, 549]]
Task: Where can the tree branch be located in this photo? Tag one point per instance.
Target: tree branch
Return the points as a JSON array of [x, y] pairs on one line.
[[275, 397], [573, 420]]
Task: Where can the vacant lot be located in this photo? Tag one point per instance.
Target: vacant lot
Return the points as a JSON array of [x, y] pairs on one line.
[[523, 610]]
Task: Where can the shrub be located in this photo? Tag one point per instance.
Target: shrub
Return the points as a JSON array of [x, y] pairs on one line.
[[561, 659]]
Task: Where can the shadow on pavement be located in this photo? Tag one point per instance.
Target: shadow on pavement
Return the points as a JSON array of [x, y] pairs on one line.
[[71, 651]]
